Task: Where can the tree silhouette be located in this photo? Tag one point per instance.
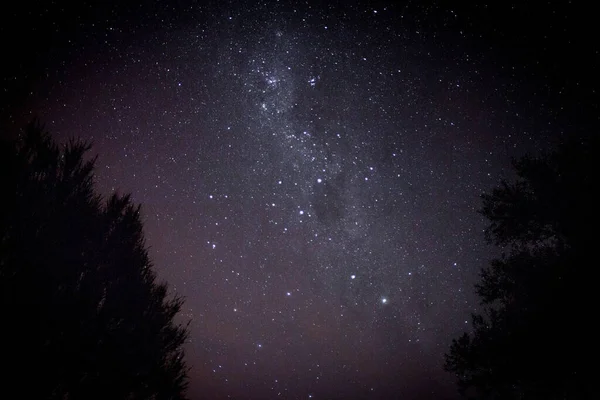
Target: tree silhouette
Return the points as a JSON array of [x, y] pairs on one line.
[[84, 315], [532, 339]]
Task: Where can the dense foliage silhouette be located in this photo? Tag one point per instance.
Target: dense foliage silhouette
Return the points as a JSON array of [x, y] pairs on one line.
[[84, 316], [532, 339]]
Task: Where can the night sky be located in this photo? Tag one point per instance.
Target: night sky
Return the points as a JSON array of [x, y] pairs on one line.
[[309, 174]]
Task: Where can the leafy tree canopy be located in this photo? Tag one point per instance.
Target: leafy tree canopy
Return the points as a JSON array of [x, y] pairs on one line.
[[532, 339]]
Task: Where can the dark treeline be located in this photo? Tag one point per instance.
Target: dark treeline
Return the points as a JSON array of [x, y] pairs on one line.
[[84, 316], [533, 338]]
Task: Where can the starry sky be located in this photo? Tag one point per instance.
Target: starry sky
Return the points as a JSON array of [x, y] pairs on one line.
[[309, 173]]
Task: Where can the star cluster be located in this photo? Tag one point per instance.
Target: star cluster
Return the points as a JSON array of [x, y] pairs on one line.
[[309, 177]]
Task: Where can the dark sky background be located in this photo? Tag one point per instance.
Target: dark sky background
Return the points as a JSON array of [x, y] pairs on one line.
[[309, 173]]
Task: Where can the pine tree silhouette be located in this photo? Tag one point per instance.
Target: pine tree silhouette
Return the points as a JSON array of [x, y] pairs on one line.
[[84, 314]]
